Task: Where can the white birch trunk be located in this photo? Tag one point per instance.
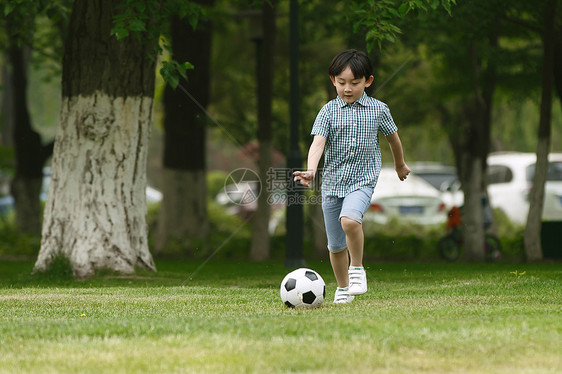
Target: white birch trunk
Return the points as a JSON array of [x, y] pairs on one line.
[[96, 210]]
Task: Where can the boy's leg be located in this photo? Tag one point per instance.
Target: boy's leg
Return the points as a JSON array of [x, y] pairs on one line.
[[339, 255], [353, 209], [331, 208], [355, 240], [340, 265]]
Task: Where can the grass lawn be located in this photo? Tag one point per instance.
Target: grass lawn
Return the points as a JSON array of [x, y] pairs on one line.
[[227, 317]]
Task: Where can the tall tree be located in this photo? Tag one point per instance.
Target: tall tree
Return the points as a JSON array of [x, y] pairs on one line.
[[464, 48], [472, 131], [30, 154], [469, 46], [183, 216], [533, 247], [95, 212], [557, 66]]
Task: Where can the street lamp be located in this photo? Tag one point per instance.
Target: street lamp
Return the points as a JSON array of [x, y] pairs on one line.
[[295, 230]]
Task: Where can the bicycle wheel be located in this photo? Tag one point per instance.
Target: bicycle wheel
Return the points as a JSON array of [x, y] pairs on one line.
[[449, 248], [492, 248]]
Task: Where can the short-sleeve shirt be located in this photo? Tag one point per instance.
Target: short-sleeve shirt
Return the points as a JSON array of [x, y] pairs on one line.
[[352, 153]]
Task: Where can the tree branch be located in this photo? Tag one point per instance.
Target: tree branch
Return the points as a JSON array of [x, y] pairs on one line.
[[522, 23]]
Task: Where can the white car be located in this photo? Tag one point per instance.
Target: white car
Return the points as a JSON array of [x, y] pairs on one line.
[[510, 178], [413, 201], [443, 178], [435, 173]]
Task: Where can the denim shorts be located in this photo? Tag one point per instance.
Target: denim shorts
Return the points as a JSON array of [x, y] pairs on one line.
[[352, 206]]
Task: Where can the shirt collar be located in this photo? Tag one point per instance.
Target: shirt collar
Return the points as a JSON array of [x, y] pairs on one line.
[[363, 101]]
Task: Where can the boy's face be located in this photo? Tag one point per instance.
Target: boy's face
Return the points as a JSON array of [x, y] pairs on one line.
[[348, 87]]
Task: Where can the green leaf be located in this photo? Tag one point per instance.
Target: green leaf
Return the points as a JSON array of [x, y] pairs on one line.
[[8, 8], [168, 76], [119, 31], [140, 6], [403, 9], [394, 12], [446, 4], [137, 25], [187, 66]]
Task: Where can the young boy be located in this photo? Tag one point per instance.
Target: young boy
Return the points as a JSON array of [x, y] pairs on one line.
[[346, 128]]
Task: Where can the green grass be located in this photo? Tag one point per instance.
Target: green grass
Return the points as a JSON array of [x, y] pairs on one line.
[[226, 317]]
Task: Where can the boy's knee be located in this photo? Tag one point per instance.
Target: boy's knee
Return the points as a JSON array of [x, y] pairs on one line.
[[349, 226]]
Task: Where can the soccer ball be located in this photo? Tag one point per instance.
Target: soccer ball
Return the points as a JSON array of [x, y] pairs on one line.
[[303, 288]]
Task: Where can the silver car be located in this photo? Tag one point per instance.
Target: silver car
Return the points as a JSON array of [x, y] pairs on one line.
[[510, 179], [411, 201]]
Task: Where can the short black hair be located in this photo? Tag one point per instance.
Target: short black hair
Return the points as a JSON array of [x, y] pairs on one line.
[[357, 61]]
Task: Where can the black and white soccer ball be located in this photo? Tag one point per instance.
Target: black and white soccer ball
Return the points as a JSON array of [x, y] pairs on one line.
[[303, 288]]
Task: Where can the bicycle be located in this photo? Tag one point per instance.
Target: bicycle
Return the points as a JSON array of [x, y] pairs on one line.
[[451, 246]]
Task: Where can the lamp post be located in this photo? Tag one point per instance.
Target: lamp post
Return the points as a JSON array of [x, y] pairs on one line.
[[294, 239]]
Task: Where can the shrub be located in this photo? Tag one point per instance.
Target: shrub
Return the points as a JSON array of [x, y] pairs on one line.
[[13, 243]]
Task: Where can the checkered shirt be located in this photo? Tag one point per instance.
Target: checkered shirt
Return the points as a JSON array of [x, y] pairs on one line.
[[352, 153]]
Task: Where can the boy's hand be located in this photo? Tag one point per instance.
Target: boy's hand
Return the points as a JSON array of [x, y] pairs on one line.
[[304, 177], [402, 172]]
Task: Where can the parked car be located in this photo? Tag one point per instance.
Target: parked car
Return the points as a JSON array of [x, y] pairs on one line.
[[153, 196], [443, 178], [510, 179], [6, 200], [435, 173], [413, 200], [452, 194]]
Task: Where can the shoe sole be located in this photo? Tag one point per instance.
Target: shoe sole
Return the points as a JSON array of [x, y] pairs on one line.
[[357, 293], [344, 302]]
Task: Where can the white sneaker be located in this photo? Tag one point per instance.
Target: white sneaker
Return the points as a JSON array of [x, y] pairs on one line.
[[342, 296], [357, 280]]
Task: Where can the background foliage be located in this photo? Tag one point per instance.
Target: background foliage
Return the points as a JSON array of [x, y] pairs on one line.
[[411, 75]]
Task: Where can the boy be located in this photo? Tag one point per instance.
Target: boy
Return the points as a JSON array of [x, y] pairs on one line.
[[347, 129]]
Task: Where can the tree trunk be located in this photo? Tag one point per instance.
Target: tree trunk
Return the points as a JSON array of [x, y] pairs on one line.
[[95, 214], [7, 110], [260, 249], [183, 218], [30, 154], [473, 150], [472, 218], [180, 214], [557, 65], [533, 248]]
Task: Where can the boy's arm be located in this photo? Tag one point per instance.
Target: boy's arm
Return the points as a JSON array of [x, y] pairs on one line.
[[314, 154], [398, 154]]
